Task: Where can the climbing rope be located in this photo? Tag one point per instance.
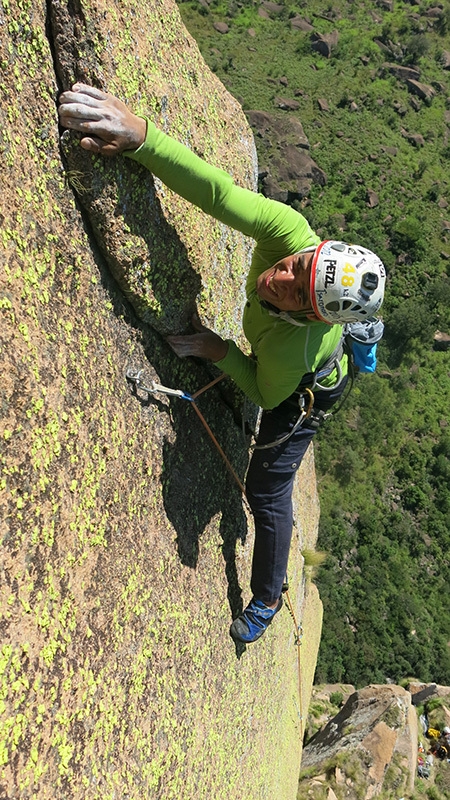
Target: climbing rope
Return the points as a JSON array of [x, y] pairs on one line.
[[298, 643], [156, 388]]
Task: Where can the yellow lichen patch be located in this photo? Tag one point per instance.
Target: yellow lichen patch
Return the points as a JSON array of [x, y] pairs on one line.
[[122, 554]]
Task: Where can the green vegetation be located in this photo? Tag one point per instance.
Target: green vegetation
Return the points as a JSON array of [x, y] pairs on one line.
[[336, 698], [437, 791], [319, 712], [437, 710], [353, 766], [383, 462]]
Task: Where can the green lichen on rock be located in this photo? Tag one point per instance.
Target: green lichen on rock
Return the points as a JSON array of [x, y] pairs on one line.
[[125, 544], [155, 243]]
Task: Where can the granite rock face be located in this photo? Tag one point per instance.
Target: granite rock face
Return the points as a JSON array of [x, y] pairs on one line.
[[144, 231], [122, 564]]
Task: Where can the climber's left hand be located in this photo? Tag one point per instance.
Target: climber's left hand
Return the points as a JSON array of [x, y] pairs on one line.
[[204, 344]]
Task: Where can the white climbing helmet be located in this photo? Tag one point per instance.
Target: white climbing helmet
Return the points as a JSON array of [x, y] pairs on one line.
[[347, 282]]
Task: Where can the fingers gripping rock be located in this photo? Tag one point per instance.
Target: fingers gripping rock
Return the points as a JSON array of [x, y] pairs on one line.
[[107, 124]]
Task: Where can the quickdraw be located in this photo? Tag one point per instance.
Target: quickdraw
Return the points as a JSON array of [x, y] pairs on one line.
[[156, 388]]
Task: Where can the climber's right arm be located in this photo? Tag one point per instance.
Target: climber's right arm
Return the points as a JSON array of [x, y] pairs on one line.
[[108, 128], [278, 229]]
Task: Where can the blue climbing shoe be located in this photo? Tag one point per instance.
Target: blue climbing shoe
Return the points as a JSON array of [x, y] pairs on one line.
[[253, 621]]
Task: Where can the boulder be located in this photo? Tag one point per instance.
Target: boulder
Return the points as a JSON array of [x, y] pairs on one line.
[[441, 342], [401, 72], [392, 49], [435, 12], [425, 691], [272, 8], [372, 198], [422, 90], [382, 45], [323, 104], [390, 151], [301, 24], [270, 129], [286, 103], [324, 43], [399, 108], [221, 27], [413, 138], [376, 728], [286, 168]]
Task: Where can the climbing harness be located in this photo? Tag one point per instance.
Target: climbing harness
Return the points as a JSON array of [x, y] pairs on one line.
[[156, 388], [359, 342], [305, 395], [305, 412], [333, 362]]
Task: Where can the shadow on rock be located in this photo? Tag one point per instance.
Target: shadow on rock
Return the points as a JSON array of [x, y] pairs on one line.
[[143, 251], [197, 486]]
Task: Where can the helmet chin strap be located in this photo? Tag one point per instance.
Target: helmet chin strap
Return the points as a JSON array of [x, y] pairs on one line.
[[311, 249], [276, 312], [287, 318]]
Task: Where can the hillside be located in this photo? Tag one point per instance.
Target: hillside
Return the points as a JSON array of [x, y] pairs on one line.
[[374, 104]]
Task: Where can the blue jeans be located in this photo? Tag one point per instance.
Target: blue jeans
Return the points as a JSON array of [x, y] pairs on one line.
[[269, 486]]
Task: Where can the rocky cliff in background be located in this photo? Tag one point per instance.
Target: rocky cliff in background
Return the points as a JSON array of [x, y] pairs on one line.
[[368, 748], [125, 546], [286, 169], [381, 741]]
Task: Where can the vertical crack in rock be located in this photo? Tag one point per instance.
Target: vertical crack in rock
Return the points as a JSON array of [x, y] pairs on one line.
[[143, 252]]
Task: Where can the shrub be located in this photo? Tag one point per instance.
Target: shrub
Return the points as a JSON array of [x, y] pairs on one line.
[[417, 47], [336, 698], [408, 237]]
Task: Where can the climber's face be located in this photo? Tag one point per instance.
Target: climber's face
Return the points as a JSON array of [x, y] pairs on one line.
[[286, 285]]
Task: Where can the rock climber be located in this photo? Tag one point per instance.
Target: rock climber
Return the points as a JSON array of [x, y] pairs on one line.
[[300, 292]]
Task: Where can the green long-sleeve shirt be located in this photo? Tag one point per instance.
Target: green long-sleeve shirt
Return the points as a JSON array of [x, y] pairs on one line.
[[284, 352]]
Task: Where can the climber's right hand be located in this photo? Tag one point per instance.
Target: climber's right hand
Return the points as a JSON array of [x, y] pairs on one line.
[[107, 124]]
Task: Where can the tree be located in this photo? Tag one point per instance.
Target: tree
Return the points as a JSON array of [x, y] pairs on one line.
[[413, 318]]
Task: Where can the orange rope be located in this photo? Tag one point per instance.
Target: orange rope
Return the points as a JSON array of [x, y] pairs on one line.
[[241, 487], [208, 386], [297, 642], [209, 431]]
